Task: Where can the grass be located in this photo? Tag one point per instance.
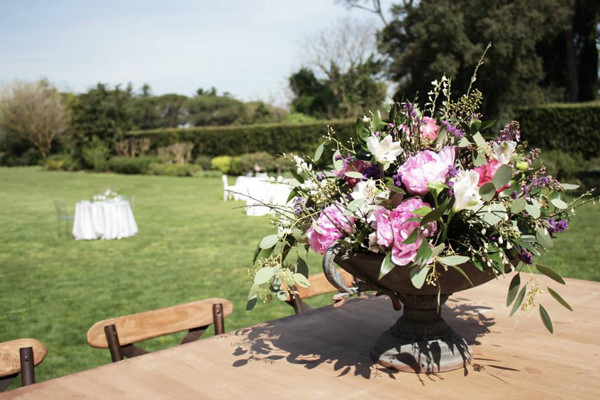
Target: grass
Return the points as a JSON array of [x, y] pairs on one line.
[[191, 245]]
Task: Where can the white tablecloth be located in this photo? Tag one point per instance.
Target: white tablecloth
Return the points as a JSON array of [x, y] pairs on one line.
[[111, 219], [258, 191]]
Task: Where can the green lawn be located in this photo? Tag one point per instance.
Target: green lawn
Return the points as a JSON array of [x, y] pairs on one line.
[[191, 245]]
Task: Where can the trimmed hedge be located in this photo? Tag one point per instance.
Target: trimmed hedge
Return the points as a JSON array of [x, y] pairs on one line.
[[236, 140], [573, 128]]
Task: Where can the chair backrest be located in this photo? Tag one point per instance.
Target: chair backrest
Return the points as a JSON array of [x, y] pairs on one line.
[[195, 317], [318, 285], [225, 181], [19, 356], [61, 207]]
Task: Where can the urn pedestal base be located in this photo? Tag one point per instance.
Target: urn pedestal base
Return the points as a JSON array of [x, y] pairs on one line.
[[421, 341]]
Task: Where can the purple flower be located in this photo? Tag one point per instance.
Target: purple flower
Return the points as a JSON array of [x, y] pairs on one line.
[[332, 225], [372, 172], [510, 132], [526, 256], [397, 179], [426, 167], [557, 226], [452, 130]]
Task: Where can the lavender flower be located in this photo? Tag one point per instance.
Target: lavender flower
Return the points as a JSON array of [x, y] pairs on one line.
[[557, 226], [526, 256], [510, 132], [452, 130], [372, 172], [397, 179]]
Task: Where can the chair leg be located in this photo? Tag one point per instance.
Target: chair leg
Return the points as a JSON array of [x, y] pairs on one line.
[[112, 338], [27, 371], [218, 319]]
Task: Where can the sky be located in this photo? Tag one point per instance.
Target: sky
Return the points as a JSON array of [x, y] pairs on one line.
[[245, 47]]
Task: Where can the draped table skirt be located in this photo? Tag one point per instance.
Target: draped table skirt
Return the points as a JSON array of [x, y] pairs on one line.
[[103, 220]]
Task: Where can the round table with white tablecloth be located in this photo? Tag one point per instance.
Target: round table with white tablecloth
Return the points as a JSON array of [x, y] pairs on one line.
[[110, 219]]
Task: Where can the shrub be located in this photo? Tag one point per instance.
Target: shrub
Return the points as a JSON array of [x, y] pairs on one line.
[[64, 162], [95, 155], [564, 166], [225, 164], [263, 160], [204, 162], [173, 169], [178, 153], [131, 165], [275, 139], [573, 128]]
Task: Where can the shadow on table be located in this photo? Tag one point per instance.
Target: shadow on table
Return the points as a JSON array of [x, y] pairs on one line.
[[346, 341]]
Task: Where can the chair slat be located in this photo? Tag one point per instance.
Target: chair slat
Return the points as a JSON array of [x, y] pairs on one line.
[[10, 362], [147, 325]]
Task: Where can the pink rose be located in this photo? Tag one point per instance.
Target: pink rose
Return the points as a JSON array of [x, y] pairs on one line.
[[429, 129], [393, 228], [332, 225], [486, 173], [426, 167]]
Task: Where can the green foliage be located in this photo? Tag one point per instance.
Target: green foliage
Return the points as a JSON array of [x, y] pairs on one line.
[[564, 166], [95, 155], [265, 161], [173, 169], [573, 128], [236, 140], [64, 162], [429, 38], [203, 161], [131, 165], [225, 164]]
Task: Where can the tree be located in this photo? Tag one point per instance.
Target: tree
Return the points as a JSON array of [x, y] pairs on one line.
[[33, 111], [173, 111], [375, 7], [431, 37], [211, 109], [146, 114], [343, 72]]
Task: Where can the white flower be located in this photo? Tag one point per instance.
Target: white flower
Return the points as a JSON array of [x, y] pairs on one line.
[[504, 151], [466, 191], [384, 151], [366, 119], [369, 193]]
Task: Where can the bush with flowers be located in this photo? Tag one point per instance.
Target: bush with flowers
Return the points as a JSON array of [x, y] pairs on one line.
[[431, 189]]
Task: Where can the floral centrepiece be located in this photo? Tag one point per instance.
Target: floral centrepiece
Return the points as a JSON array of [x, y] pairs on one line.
[[430, 189]]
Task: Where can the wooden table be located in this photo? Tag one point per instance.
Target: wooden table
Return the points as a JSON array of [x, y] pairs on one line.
[[324, 354]]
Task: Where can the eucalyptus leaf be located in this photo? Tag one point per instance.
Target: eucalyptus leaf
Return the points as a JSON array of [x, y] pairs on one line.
[[518, 205], [251, 304], [418, 275], [253, 291], [479, 160], [301, 267], [487, 191], [533, 210], [460, 270], [424, 253], [546, 319], [569, 186], [479, 139], [297, 176], [502, 176], [543, 237], [438, 249], [337, 161], [354, 174], [513, 289], [422, 211], [519, 300], [319, 151], [560, 299], [412, 237], [454, 260], [301, 280], [550, 273], [264, 274], [558, 203], [386, 266], [268, 241], [282, 295], [488, 124], [436, 213], [293, 193], [464, 142]]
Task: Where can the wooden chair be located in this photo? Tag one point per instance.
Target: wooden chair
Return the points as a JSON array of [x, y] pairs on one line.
[[318, 285], [119, 334], [20, 356]]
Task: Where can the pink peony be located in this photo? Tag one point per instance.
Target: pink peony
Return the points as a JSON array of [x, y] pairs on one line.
[[429, 129], [332, 225], [486, 173], [393, 228], [426, 167]]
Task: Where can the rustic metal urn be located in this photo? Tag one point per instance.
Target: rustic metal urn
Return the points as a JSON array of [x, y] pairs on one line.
[[420, 340]]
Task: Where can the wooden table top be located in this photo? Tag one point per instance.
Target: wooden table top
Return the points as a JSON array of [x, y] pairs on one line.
[[324, 354]]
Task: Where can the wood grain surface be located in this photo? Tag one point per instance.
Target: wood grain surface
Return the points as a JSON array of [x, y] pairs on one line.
[[10, 361], [324, 354], [150, 324]]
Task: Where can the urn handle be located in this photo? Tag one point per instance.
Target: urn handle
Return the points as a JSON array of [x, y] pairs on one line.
[[331, 273]]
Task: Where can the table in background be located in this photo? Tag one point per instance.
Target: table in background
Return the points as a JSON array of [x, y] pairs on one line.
[[109, 219], [259, 190], [324, 354]]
